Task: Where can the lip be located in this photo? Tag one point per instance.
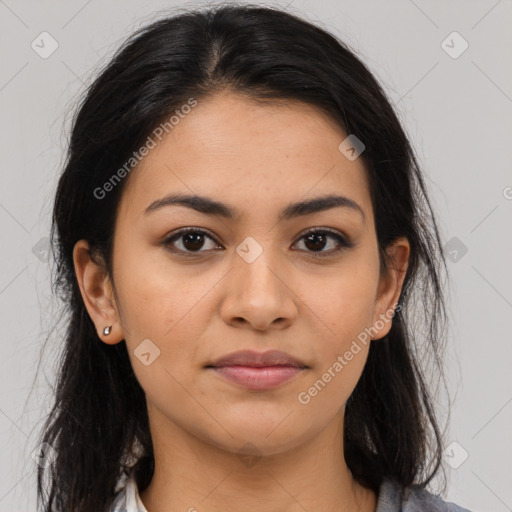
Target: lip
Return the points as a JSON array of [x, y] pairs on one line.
[[258, 371], [258, 359]]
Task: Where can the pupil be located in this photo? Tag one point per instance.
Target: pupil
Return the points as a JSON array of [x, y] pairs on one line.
[[316, 236], [193, 241]]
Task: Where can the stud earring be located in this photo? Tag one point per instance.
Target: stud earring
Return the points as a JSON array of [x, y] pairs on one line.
[[107, 330]]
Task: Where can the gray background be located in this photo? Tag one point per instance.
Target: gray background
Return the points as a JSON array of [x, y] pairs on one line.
[[457, 112]]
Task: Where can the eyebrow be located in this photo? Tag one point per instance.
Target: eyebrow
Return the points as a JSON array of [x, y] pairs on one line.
[[210, 206]]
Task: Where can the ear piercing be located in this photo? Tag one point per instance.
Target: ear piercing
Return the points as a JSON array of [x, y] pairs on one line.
[[107, 330]]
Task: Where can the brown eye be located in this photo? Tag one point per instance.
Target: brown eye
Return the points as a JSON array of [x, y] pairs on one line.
[[191, 240], [315, 241]]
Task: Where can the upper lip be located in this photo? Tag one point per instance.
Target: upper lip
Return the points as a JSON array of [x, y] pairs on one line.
[[258, 359]]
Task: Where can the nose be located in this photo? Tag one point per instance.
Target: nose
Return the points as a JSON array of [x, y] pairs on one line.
[[258, 295]]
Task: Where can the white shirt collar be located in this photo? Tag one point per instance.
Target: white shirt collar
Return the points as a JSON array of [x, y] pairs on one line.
[[127, 495]]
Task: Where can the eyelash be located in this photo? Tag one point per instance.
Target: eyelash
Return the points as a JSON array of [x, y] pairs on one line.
[[344, 243]]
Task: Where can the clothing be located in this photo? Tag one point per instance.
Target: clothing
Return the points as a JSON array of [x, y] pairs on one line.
[[389, 499]]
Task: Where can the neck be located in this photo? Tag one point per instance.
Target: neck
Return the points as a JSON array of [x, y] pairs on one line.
[[193, 475]]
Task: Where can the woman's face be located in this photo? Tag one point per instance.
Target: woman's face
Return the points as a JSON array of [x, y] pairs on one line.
[[255, 280]]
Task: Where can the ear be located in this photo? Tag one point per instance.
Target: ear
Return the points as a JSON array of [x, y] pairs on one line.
[[390, 287], [97, 292]]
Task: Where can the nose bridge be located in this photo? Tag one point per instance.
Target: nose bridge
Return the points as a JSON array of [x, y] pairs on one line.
[[257, 291], [257, 266]]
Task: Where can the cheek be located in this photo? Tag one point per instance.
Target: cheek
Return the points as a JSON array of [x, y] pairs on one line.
[[344, 303], [163, 306], [154, 297], [345, 309]]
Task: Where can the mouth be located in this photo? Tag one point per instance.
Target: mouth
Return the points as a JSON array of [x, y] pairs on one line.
[[258, 371]]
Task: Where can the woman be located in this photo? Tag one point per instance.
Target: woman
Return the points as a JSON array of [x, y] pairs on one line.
[[240, 230]]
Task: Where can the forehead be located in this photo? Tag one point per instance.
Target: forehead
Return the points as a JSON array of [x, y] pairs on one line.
[[249, 155]]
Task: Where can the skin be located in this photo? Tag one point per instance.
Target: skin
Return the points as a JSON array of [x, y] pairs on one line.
[[258, 158]]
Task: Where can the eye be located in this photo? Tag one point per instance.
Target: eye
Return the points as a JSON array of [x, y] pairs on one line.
[[188, 241], [317, 239]]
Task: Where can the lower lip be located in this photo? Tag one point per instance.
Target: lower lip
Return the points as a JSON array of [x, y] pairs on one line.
[[258, 378]]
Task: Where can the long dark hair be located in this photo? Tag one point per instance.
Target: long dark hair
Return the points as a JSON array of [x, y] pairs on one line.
[[99, 421]]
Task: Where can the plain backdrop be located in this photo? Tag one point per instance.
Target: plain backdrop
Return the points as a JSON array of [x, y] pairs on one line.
[[453, 93]]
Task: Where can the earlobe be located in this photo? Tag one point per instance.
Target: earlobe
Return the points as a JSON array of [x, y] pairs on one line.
[[390, 286], [96, 291]]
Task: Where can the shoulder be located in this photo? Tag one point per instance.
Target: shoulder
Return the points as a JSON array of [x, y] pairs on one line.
[[412, 499]]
